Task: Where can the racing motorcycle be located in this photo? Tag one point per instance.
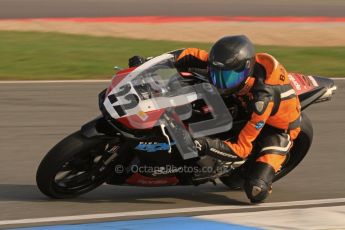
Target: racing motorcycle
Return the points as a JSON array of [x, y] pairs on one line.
[[144, 135]]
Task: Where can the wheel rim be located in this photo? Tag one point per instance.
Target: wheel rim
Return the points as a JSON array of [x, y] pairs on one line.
[[80, 173]]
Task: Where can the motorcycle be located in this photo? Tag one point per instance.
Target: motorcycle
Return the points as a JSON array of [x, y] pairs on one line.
[[144, 135]]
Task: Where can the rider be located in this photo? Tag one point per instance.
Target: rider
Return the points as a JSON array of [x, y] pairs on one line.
[[262, 86]]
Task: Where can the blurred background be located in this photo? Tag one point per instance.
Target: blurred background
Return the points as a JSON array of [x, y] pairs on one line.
[[79, 39], [85, 39]]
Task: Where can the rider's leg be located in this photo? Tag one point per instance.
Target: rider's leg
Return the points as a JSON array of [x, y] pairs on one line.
[[275, 146], [258, 184]]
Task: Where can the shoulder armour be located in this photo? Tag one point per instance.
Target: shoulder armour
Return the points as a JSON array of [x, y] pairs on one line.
[[275, 72], [262, 95]]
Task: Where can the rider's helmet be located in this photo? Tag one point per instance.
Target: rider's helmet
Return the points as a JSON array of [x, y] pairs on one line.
[[231, 62]]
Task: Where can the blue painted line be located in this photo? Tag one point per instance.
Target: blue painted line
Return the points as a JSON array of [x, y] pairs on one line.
[[170, 223]]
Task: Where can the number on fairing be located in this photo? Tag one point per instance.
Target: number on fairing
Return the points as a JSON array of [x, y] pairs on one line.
[[132, 98]]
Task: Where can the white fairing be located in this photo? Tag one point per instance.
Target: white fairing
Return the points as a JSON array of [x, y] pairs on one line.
[[153, 103]]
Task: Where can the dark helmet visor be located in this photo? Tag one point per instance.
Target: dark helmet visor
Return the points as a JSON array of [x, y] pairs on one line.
[[227, 79]]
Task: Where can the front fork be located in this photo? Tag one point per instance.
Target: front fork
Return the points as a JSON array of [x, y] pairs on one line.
[[100, 128]]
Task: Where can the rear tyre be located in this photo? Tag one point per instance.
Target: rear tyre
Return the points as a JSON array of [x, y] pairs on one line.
[[299, 150], [70, 168], [234, 181]]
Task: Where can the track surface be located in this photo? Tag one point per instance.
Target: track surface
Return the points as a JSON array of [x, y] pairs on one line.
[[106, 8], [34, 117]]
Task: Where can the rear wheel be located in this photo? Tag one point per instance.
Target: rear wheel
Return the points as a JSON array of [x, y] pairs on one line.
[[299, 150], [72, 167]]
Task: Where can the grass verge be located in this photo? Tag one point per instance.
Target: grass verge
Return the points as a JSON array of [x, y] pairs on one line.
[[32, 55]]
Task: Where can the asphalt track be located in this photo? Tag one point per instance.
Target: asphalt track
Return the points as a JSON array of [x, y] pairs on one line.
[[35, 116], [108, 8]]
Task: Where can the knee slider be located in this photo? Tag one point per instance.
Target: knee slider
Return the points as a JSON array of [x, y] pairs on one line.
[[258, 184], [257, 190]]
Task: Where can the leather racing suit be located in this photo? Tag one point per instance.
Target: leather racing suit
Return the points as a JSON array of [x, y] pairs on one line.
[[274, 119]]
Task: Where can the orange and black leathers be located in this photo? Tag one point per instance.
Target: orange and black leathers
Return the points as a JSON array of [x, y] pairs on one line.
[[269, 99]]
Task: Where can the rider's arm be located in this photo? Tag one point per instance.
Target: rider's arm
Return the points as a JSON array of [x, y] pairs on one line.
[[261, 106], [191, 58]]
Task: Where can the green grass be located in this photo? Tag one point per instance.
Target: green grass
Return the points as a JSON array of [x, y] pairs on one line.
[[31, 55]]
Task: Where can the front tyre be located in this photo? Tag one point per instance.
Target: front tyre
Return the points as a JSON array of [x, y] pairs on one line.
[[71, 167]]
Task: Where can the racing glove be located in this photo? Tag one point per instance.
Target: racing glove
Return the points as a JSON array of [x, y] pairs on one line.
[[136, 61], [215, 148]]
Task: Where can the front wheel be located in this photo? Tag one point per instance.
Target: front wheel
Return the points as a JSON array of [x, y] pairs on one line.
[[71, 168]]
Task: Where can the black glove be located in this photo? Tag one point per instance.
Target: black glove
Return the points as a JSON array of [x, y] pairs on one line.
[[215, 148], [136, 61]]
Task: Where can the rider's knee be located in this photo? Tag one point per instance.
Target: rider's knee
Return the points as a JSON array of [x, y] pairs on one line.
[[258, 185]]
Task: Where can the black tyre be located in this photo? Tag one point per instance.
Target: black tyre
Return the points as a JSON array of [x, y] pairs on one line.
[[300, 148], [70, 168]]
